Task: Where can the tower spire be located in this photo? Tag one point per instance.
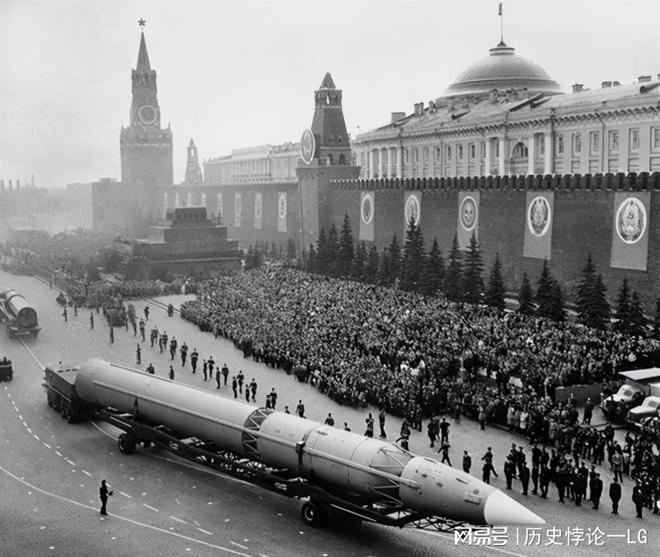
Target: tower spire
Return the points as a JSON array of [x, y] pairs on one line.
[[501, 14], [143, 64]]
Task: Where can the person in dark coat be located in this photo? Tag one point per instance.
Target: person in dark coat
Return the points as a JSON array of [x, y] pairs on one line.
[[104, 494], [638, 499], [561, 479], [509, 467], [544, 479], [615, 496], [524, 478], [595, 490], [467, 462]]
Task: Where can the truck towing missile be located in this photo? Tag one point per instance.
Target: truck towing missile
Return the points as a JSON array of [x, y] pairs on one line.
[[338, 473]]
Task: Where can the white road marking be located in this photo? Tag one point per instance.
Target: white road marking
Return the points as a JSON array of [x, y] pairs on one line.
[[28, 429], [20, 417], [238, 545], [125, 519], [36, 436], [126, 495], [71, 462], [178, 520], [86, 473], [150, 507], [58, 453], [206, 532], [47, 446]]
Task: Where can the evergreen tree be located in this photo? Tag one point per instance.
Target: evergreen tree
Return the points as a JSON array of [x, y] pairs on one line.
[[656, 321], [359, 261], [371, 268], [290, 250], [321, 265], [472, 282], [591, 302], [549, 296], [414, 258], [345, 250], [622, 313], [312, 260], [526, 297], [333, 251], [496, 289], [434, 271], [395, 259], [385, 269], [601, 311], [454, 271], [637, 318]]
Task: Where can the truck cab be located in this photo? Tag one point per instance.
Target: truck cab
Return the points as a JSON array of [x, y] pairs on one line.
[[616, 406], [6, 369], [648, 409]]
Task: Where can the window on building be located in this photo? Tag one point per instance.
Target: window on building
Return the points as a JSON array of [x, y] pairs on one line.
[[416, 155], [406, 155], [541, 143], [459, 152], [473, 151], [634, 139], [448, 153], [483, 149], [655, 139], [614, 141], [577, 143], [520, 151], [594, 141], [497, 149], [342, 159], [438, 154], [426, 154], [560, 144]]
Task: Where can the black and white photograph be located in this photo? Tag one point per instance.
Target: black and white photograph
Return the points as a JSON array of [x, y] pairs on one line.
[[329, 278]]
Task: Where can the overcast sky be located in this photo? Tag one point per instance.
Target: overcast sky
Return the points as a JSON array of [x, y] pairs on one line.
[[242, 73]]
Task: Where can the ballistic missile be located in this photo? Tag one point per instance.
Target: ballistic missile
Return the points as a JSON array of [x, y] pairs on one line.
[[352, 464]]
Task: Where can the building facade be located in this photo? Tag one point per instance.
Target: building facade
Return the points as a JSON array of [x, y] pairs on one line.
[[504, 115]]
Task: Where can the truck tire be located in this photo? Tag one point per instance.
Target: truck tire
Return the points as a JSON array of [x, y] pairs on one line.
[[65, 410], [312, 514], [126, 443]]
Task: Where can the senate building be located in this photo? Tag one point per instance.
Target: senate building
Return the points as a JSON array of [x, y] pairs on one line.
[[504, 115]]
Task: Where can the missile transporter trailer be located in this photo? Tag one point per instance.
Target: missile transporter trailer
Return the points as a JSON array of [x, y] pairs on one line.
[[337, 474]]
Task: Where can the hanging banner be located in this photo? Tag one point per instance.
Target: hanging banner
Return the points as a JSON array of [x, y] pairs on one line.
[[538, 224], [218, 206], [630, 237], [237, 209], [412, 209], [367, 206], [281, 211], [258, 209], [468, 217]]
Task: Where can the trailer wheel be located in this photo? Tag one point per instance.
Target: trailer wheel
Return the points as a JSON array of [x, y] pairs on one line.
[[311, 514], [126, 443], [64, 410]]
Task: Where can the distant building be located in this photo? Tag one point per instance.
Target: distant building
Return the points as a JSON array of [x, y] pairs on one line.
[[146, 148], [188, 244], [261, 164], [505, 115], [193, 170]]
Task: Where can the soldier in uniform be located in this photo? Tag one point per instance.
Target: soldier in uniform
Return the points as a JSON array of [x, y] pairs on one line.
[[104, 494], [524, 478], [240, 378], [467, 462], [595, 490], [193, 360], [615, 495], [234, 385], [142, 329], [225, 373], [638, 499], [508, 471], [381, 423], [370, 426], [544, 478], [171, 373], [183, 351]]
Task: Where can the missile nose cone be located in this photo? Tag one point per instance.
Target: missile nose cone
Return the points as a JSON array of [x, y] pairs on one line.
[[500, 509]]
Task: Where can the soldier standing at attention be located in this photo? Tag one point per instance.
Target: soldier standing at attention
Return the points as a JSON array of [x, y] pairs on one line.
[[91, 320], [370, 426], [112, 334], [300, 410], [142, 328], [217, 378], [65, 315], [225, 373], [104, 494], [138, 355], [273, 398], [467, 462], [204, 367], [381, 423], [146, 313], [615, 496], [171, 373], [193, 360], [184, 354], [253, 389], [234, 385]]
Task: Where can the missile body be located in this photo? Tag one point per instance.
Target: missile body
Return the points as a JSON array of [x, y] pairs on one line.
[[351, 463]]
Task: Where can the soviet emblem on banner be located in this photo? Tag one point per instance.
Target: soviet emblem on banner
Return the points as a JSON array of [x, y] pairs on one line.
[[412, 210], [468, 213], [631, 220], [538, 216], [282, 205], [367, 209]]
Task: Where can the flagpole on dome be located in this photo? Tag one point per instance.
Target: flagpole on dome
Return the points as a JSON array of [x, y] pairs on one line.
[[501, 25]]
